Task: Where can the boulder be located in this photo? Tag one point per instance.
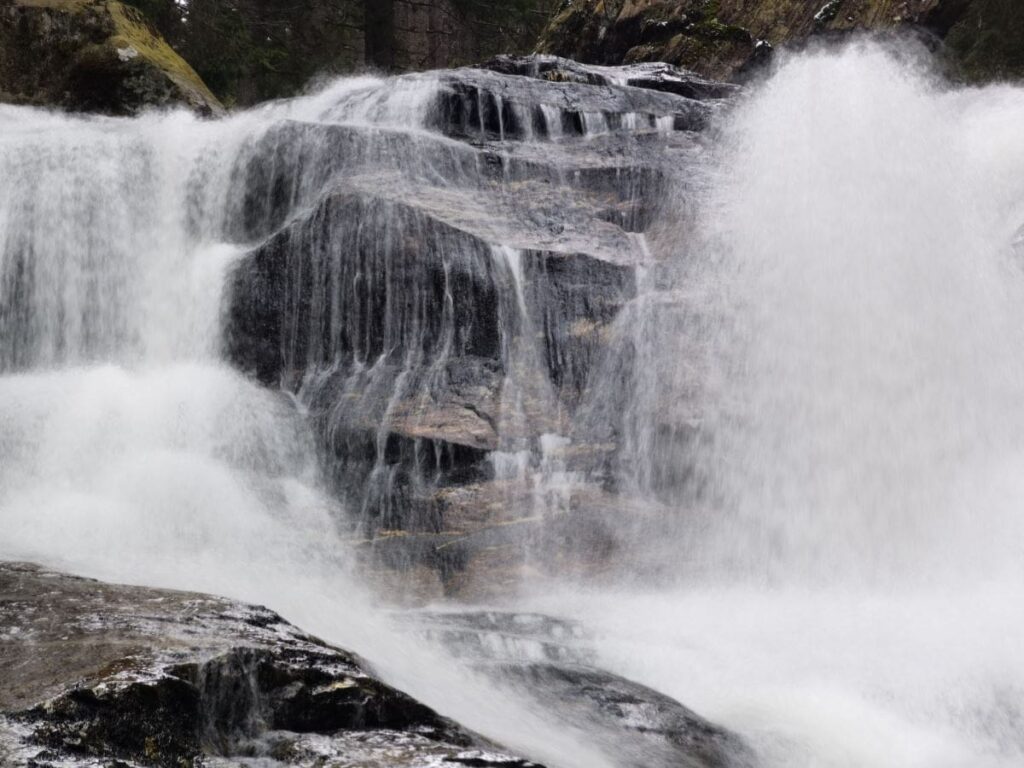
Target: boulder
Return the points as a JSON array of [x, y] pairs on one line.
[[551, 661], [98, 674], [439, 299], [93, 56]]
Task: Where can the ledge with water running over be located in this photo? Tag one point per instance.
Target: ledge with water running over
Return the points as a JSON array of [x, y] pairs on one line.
[[97, 674]]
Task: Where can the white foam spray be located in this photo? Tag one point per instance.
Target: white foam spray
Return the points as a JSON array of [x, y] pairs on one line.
[[852, 594]]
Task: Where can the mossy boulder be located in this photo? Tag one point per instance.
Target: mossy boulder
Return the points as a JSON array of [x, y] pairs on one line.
[[94, 56], [983, 39]]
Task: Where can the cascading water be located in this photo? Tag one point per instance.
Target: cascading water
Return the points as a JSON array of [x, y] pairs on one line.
[[772, 375], [833, 414], [868, 414], [130, 450]]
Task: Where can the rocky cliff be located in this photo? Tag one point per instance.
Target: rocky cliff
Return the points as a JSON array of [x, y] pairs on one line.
[[724, 38], [92, 55]]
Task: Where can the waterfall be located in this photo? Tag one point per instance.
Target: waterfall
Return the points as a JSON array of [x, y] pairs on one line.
[[826, 396], [735, 382], [870, 412], [233, 353]]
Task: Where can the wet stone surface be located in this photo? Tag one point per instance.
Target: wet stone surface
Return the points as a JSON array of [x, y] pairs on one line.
[[96, 674], [100, 675], [550, 662], [439, 292]]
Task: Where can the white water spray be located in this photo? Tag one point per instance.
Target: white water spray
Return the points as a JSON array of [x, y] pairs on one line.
[[869, 402], [851, 594]]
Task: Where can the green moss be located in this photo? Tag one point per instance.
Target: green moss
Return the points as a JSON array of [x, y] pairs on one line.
[[713, 29], [132, 31], [641, 53], [92, 55]]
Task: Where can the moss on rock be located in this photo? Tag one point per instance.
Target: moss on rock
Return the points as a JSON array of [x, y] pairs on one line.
[[984, 39], [92, 55]]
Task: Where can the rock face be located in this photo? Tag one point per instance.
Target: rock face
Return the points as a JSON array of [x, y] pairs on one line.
[[102, 675], [92, 55], [722, 39], [439, 297]]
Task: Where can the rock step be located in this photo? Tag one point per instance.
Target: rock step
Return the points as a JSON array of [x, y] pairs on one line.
[[480, 103], [289, 166], [401, 330]]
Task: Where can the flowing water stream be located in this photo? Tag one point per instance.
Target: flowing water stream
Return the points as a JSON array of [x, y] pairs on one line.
[[816, 380]]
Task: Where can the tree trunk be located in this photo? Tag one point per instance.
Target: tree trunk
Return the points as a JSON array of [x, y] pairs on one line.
[[379, 23]]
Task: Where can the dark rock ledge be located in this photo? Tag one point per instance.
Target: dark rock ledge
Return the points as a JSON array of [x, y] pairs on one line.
[[98, 675]]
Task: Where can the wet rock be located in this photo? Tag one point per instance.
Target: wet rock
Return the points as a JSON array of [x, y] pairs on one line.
[[292, 163], [367, 275], [479, 103], [572, 302], [92, 55], [98, 674], [655, 442], [530, 194], [550, 660], [496, 636], [642, 728], [396, 315], [655, 76], [439, 299], [359, 277], [491, 539]]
